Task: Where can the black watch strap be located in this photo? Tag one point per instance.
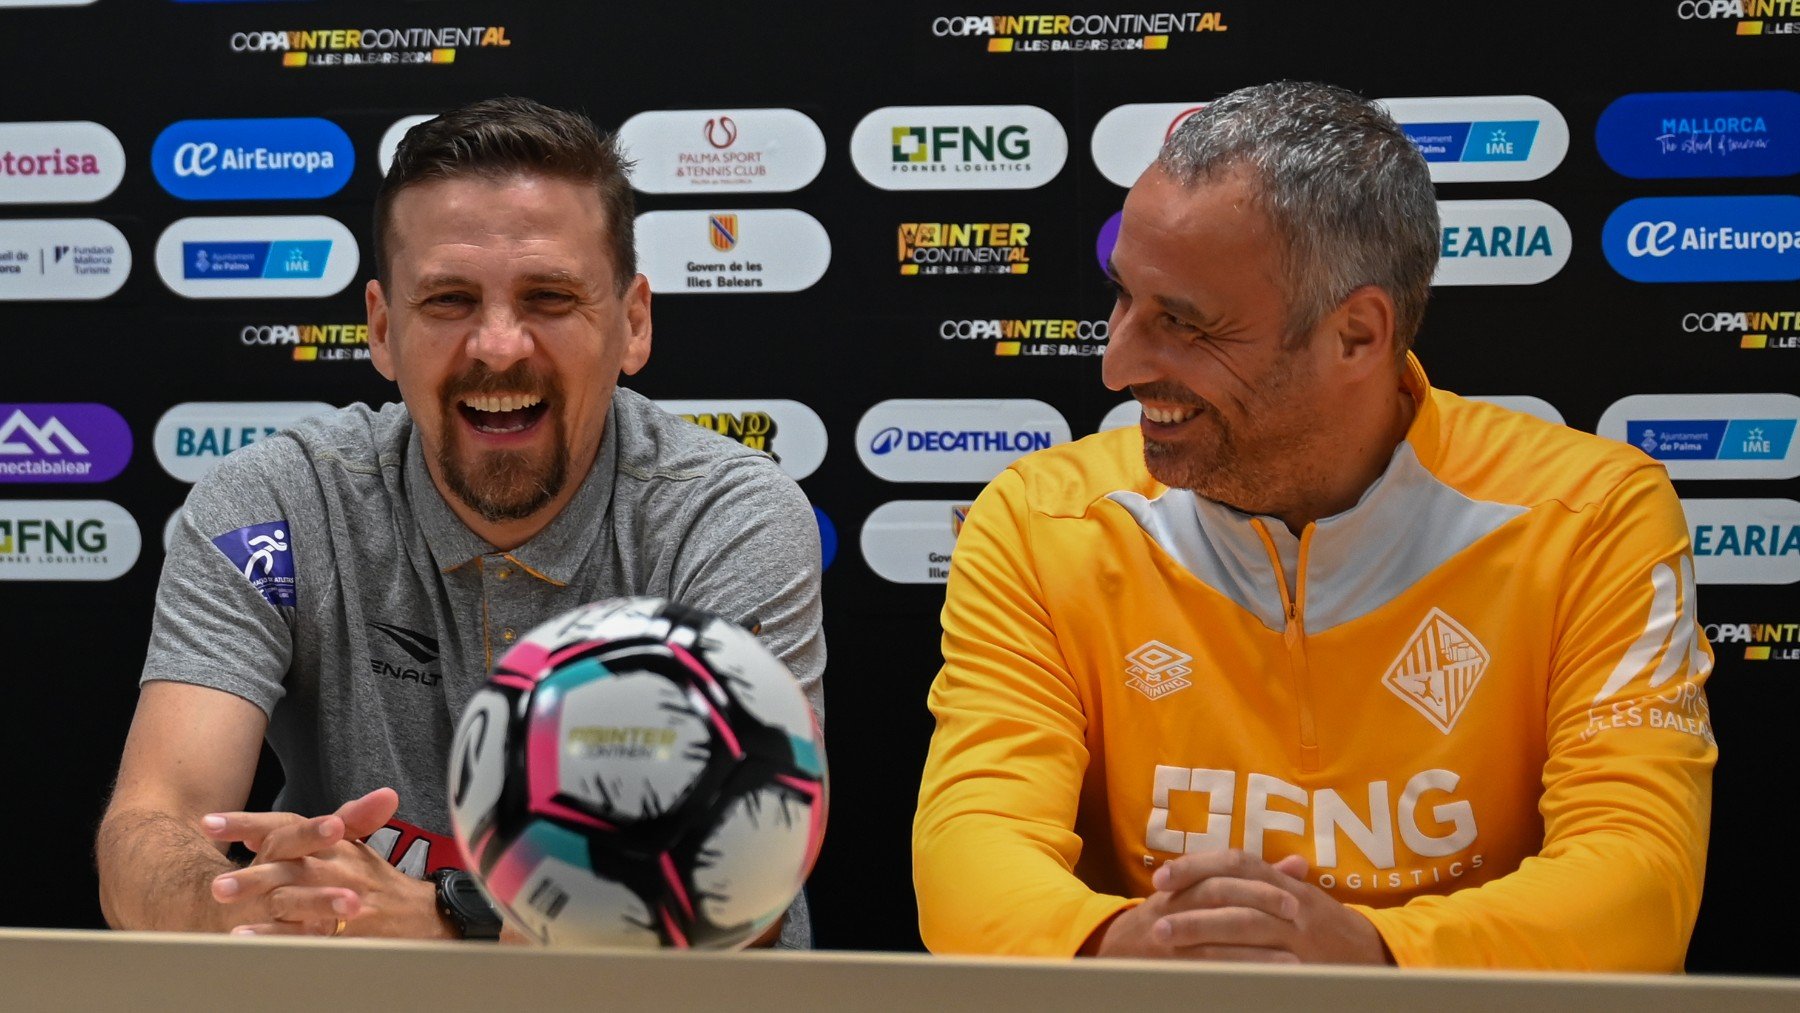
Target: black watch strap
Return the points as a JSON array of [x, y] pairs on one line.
[[462, 904]]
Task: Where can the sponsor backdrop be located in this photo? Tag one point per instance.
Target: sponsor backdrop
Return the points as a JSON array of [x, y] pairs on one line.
[[874, 239]]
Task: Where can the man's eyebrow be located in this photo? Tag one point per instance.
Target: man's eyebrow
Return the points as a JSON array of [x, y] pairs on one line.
[[1187, 309], [445, 281], [553, 278]]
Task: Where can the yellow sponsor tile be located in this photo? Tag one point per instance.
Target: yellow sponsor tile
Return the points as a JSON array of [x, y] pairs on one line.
[[293, 59], [305, 354], [909, 269], [1156, 42], [1754, 341], [1756, 654], [1000, 45], [1021, 268], [1006, 348], [443, 56], [1749, 28]]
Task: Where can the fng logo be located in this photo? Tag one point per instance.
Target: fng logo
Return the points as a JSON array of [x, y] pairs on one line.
[[959, 147]]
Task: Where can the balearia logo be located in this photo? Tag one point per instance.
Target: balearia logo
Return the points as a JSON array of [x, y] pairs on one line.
[[720, 252], [1680, 134], [959, 147], [1711, 435], [1127, 138], [1030, 337], [1528, 404], [368, 47], [1749, 328], [191, 438], [1674, 239], [1077, 33], [61, 258], [272, 257], [66, 539], [1744, 541], [1500, 242], [933, 248], [1484, 138], [787, 431], [62, 443], [971, 440], [310, 342], [1760, 641], [1744, 17], [272, 159], [713, 150], [910, 541], [390, 141], [59, 162]]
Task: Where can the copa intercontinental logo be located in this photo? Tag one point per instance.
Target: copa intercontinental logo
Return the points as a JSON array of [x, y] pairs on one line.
[[1030, 337], [1759, 641], [1744, 17], [368, 47], [1078, 33], [1694, 134], [1754, 329], [944, 248], [310, 342]]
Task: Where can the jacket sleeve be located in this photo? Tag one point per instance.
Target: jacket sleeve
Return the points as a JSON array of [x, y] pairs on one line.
[[994, 845], [1628, 779]]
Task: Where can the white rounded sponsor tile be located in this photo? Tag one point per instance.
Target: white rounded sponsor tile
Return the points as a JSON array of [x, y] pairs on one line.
[[1744, 541], [66, 539], [1500, 242], [1484, 138], [257, 257], [722, 150], [59, 162], [910, 541], [1711, 435], [790, 432], [61, 258], [731, 252], [1530, 405], [950, 440], [959, 147], [390, 140], [1127, 138], [191, 438], [1121, 415]]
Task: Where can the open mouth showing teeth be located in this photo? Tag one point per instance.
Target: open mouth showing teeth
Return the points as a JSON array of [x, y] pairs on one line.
[[502, 413], [1169, 416]]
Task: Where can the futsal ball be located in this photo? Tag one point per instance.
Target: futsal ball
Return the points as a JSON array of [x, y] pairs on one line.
[[639, 773]]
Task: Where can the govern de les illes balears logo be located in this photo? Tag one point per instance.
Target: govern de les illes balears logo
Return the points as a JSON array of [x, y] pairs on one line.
[[257, 257], [253, 159], [959, 147], [51, 539], [910, 541], [1688, 239], [59, 162], [744, 251], [1692, 134], [1711, 436], [80, 442]]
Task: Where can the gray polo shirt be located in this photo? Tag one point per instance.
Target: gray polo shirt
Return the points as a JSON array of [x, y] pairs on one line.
[[320, 575]]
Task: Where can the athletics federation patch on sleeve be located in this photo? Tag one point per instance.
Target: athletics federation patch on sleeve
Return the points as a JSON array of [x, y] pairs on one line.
[[264, 554]]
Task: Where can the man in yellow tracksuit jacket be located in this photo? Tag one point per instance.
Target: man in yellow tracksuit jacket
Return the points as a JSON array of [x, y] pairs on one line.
[[1319, 663]]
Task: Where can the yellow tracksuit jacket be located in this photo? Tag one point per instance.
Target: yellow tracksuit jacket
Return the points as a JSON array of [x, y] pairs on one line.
[[1476, 707]]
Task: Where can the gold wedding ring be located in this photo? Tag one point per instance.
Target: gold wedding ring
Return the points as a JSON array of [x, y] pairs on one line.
[[338, 929]]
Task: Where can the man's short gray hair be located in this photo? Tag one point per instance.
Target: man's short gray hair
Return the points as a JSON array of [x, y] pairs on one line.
[[1348, 194]]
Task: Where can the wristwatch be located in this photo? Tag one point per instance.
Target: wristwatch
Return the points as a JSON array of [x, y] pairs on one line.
[[461, 904]]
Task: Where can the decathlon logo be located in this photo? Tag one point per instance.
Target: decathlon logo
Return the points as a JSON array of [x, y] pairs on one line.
[[191, 438], [50, 539], [959, 147], [1484, 138], [1155, 669], [1673, 135], [1711, 436], [61, 162], [1744, 541], [1437, 671], [737, 150], [277, 256], [954, 440], [1676, 239], [253, 159], [1500, 242], [62, 443]]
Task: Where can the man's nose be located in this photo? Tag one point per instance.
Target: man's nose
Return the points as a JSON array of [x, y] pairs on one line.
[[500, 339], [1131, 355]]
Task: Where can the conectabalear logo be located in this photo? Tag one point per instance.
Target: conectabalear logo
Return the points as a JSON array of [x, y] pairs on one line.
[[62, 443]]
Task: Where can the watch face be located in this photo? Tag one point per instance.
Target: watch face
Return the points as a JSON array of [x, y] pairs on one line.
[[461, 901]]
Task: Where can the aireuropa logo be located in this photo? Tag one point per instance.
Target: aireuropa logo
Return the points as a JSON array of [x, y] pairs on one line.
[[1484, 138], [909, 541], [80, 442], [61, 258], [1676, 239], [929, 440], [713, 150], [1500, 242], [390, 141], [788, 431], [66, 539], [770, 250], [1710, 435], [1031, 337], [1753, 328], [191, 438], [959, 147], [1744, 541], [1527, 404], [1127, 138], [59, 162], [270, 257], [1683, 134], [262, 159]]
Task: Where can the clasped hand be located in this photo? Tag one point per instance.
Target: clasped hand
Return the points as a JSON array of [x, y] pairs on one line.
[[310, 873], [1227, 905]]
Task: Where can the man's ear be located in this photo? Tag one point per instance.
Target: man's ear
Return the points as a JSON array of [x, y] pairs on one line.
[[1363, 326], [637, 326], [380, 352]]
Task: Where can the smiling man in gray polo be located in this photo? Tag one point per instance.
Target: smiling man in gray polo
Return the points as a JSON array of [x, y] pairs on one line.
[[341, 589]]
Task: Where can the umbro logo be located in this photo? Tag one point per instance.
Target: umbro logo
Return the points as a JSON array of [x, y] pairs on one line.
[[1438, 669], [1156, 669], [422, 649]]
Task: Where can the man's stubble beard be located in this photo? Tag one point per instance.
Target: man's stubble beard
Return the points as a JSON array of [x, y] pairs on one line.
[[505, 485]]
